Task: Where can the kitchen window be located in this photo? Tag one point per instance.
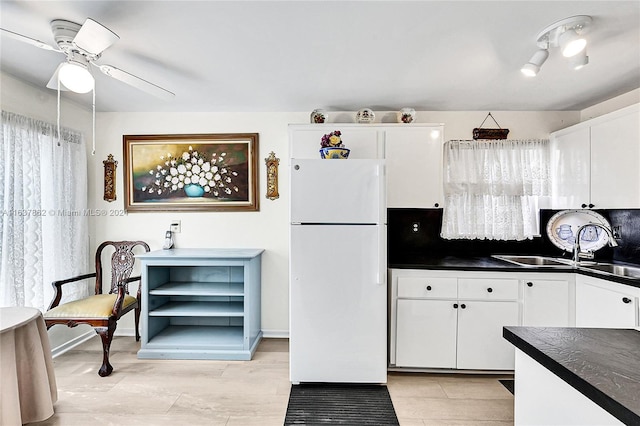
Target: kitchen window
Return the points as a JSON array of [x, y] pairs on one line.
[[492, 188]]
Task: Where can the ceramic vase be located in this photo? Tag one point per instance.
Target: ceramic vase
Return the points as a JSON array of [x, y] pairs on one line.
[[193, 190], [319, 116], [365, 115], [406, 115]]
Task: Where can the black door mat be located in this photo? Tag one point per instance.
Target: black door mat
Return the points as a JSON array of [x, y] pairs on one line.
[[340, 404], [509, 384]]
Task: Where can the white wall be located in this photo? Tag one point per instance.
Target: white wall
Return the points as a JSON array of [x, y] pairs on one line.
[[267, 228], [611, 105]]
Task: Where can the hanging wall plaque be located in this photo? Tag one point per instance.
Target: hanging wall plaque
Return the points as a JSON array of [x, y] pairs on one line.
[[272, 176], [110, 178], [499, 133]]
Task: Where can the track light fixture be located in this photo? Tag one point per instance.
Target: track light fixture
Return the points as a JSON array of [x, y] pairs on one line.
[[568, 35]]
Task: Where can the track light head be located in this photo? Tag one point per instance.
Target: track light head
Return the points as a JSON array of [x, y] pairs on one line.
[[531, 68], [571, 43], [580, 60]]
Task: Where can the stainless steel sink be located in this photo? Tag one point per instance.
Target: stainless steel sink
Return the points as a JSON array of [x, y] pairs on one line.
[[554, 262], [535, 261], [608, 268]]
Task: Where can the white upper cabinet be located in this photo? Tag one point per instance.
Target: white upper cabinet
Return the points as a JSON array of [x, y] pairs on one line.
[[412, 154], [570, 168], [615, 161], [414, 166], [595, 164]]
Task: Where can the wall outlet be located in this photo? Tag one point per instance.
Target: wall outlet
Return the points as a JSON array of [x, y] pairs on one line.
[[616, 232], [175, 226]]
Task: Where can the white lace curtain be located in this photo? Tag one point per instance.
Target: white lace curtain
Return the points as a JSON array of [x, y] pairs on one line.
[[491, 188], [43, 196]]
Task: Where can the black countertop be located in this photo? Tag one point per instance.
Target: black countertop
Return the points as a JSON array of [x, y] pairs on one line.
[[602, 364], [489, 264]]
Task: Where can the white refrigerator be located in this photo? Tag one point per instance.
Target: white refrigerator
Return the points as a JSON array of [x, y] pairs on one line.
[[338, 291]]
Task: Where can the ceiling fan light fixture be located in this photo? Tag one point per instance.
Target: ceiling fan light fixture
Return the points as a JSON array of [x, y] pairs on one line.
[[76, 77], [571, 43], [531, 68]]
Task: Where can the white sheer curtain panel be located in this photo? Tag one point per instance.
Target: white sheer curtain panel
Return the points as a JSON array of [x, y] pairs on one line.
[[492, 187], [43, 227]]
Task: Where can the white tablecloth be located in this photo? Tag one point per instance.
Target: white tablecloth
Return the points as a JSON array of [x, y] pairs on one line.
[[28, 382]]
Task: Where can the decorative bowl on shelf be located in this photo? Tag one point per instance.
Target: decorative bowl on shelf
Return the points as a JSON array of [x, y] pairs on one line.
[[406, 115], [330, 152], [319, 116], [365, 115]]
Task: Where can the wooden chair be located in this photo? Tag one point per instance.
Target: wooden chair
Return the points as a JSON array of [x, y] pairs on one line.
[[101, 311]]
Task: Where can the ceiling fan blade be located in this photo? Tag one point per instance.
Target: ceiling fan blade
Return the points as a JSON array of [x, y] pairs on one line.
[[136, 82], [53, 81], [29, 40], [94, 37]]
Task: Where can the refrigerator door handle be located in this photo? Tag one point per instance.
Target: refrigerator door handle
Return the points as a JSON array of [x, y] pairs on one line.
[[381, 276]]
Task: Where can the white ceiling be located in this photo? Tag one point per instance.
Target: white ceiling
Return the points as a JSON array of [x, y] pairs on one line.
[[243, 56]]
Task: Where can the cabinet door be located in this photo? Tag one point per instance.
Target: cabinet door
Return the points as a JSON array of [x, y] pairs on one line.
[[570, 169], [426, 333], [480, 342], [546, 303], [615, 160], [597, 306], [414, 167]]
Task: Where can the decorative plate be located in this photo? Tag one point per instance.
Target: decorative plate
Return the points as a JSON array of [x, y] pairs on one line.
[[562, 227]]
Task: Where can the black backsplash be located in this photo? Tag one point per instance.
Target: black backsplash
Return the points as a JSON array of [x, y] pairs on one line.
[[408, 243]]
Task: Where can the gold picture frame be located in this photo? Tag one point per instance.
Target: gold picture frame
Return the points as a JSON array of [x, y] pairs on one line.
[[191, 172]]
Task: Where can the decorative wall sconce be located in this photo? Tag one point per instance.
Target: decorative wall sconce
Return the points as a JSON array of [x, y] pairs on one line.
[[110, 178], [272, 176]]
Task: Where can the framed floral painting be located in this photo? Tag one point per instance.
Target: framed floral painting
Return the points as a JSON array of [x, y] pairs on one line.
[[200, 172]]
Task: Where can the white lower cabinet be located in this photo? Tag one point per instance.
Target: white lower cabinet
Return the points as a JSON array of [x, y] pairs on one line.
[[454, 334], [426, 333], [546, 303], [453, 319], [480, 342], [452, 322], [601, 303]]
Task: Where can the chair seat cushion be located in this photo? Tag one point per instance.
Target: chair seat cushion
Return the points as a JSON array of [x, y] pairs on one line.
[[98, 306]]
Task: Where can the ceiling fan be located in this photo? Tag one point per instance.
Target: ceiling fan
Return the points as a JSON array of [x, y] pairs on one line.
[[83, 45]]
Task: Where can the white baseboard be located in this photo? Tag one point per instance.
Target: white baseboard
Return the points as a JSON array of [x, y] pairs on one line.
[[275, 334], [125, 332], [68, 345]]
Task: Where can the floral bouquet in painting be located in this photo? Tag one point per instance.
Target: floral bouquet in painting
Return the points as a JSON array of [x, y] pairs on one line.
[[194, 173]]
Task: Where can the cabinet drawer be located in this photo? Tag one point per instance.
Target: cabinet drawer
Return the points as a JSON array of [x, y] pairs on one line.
[[429, 287], [487, 289]]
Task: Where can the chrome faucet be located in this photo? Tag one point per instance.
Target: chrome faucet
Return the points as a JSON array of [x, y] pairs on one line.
[[577, 252]]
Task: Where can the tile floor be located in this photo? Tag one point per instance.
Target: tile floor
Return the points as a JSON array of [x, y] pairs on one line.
[[176, 392]]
